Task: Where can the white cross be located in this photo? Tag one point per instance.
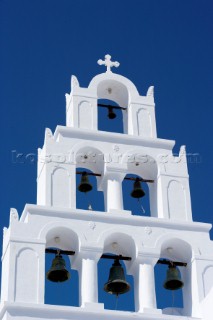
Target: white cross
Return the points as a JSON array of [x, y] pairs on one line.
[[108, 63]]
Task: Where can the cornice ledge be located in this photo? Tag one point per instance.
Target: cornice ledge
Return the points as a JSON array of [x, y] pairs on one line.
[[106, 217], [45, 311], [118, 138]]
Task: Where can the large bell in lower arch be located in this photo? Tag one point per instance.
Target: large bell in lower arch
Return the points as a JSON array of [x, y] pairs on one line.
[[137, 191], [58, 271], [84, 185], [116, 283], [173, 280]]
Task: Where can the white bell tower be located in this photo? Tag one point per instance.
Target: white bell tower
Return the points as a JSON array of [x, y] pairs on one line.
[[167, 235]]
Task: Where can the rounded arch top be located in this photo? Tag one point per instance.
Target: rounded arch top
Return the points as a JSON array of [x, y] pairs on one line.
[[141, 164], [118, 242], [113, 87], [175, 248], [60, 235]]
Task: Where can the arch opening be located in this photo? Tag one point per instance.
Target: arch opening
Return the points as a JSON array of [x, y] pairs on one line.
[[110, 91], [138, 206], [110, 119], [91, 161], [174, 302], [91, 200], [125, 301], [117, 243], [61, 293], [170, 301], [141, 165]]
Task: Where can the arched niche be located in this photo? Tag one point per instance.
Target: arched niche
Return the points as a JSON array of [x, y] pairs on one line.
[[175, 302], [207, 277], [62, 293], [142, 165], [144, 123], [61, 188], [116, 243], [85, 115], [27, 276], [176, 200]]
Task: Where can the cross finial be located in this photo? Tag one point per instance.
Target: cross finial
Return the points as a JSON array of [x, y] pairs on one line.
[[108, 63]]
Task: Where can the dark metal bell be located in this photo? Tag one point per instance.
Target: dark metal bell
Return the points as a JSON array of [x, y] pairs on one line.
[[137, 191], [58, 271], [111, 113], [84, 185], [173, 280], [116, 283]]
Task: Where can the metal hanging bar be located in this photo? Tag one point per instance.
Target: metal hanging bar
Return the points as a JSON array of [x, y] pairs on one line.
[[118, 257], [110, 106], [139, 179], [89, 173], [172, 263], [55, 251], [113, 257], [126, 178]]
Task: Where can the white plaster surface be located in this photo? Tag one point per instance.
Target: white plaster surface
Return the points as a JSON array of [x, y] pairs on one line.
[[169, 232]]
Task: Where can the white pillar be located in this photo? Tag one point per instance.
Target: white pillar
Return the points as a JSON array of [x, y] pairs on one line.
[[88, 281], [89, 286], [145, 297], [114, 197], [111, 184]]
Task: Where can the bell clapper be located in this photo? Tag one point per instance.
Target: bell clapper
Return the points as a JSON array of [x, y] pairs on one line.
[[141, 206], [173, 300], [116, 301], [89, 205]]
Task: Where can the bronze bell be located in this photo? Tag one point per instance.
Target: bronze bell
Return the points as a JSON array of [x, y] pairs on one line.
[[58, 271], [111, 113], [137, 191], [173, 280], [116, 283], [84, 185]]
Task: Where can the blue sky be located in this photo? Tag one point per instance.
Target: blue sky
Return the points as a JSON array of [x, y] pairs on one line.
[[166, 43]]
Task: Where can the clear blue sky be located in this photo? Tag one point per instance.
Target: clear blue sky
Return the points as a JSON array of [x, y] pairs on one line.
[[167, 43]]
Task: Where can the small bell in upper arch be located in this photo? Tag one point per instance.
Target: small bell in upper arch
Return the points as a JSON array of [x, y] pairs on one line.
[[84, 185], [173, 280], [137, 191], [111, 114]]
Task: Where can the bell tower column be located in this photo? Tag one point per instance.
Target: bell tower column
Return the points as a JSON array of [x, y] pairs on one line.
[[111, 184], [145, 297], [88, 282]]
